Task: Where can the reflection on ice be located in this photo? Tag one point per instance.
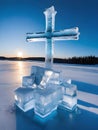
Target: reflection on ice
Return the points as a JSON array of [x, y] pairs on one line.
[[20, 69]]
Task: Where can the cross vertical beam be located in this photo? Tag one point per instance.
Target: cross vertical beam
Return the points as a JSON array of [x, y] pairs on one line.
[[50, 19], [50, 26], [49, 53]]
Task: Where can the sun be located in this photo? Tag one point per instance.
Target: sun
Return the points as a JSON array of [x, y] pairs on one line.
[[19, 54]]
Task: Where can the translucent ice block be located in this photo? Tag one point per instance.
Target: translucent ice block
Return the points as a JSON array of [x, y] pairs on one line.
[[69, 96], [50, 77], [24, 98], [55, 78], [38, 72], [44, 75], [45, 78], [69, 102], [28, 81], [70, 89], [47, 100]]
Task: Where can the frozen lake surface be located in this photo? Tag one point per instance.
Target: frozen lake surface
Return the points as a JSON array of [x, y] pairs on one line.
[[85, 117]]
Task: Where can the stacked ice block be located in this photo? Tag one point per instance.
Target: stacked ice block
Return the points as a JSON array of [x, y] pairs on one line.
[[44, 92], [28, 81], [47, 100], [44, 76], [69, 96], [24, 98]]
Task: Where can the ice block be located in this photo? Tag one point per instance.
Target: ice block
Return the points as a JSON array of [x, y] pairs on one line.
[[24, 98], [69, 96], [47, 100]]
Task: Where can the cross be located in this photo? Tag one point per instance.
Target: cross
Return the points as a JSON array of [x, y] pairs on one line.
[[49, 36]]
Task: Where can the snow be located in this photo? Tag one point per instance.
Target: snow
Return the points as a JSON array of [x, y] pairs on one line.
[[84, 76]]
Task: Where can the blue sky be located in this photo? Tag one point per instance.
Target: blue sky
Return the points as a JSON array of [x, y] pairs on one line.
[[17, 17]]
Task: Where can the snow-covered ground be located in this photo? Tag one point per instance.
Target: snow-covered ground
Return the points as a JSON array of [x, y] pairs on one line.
[[84, 76]]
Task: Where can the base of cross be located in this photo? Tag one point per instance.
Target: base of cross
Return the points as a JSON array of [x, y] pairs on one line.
[[44, 92]]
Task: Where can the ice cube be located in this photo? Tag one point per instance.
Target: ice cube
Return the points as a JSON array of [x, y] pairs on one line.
[[45, 75], [47, 100], [38, 72], [24, 98], [55, 78], [28, 81], [69, 96], [50, 76], [69, 89], [69, 102]]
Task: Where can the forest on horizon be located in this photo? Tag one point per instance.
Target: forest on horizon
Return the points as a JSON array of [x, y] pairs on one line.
[[91, 60]]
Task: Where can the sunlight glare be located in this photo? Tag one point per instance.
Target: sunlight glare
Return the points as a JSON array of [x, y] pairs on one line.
[[19, 54]]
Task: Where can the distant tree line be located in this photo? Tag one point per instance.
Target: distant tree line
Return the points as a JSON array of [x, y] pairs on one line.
[[22, 59], [74, 60], [79, 60]]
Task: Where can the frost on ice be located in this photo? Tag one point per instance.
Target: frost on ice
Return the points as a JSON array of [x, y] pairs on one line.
[[44, 90]]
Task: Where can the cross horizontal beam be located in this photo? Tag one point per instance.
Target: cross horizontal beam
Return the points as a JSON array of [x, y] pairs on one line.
[[67, 34]]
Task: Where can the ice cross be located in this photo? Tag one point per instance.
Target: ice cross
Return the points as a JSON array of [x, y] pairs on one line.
[[49, 36]]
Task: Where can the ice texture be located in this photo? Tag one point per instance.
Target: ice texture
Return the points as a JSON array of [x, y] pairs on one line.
[[47, 100], [69, 102], [55, 78], [28, 81], [49, 48], [50, 77], [38, 72], [50, 35], [24, 98], [44, 76], [69, 96], [50, 19]]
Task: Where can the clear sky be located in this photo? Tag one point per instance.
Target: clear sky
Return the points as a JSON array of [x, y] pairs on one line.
[[17, 17]]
